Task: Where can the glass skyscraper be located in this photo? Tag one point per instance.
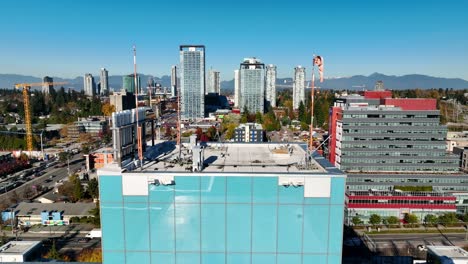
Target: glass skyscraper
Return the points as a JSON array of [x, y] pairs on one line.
[[192, 81], [256, 204], [129, 83], [252, 85]]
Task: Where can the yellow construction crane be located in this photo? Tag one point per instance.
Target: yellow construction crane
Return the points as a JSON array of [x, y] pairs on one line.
[[27, 109]]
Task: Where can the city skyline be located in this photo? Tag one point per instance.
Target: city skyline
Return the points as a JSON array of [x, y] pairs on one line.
[[354, 38]]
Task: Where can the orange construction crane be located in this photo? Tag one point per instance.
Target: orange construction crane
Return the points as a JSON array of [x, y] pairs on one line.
[[27, 109]]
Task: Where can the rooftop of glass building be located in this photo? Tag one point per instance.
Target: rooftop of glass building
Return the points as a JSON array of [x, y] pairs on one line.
[[262, 158]]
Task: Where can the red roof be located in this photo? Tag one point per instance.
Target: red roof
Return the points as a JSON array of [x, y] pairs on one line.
[[412, 103]]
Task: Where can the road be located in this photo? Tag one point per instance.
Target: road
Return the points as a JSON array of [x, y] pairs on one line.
[[45, 179]]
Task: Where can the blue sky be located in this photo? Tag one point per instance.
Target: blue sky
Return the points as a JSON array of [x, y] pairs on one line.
[[69, 38]]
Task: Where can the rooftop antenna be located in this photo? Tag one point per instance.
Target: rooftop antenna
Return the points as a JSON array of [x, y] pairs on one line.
[[139, 144]]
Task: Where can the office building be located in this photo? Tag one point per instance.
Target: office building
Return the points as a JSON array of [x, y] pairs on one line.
[[214, 83], [392, 135], [397, 203], [47, 84], [262, 203], [89, 85], [236, 88], [249, 132], [298, 87], [129, 83], [387, 144], [192, 81], [252, 85], [270, 83], [104, 81]]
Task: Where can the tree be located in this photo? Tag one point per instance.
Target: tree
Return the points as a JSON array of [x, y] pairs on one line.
[[64, 156], [93, 188], [375, 219], [245, 115], [356, 220], [230, 130], [107, 109], [53, 253], [258, 118], [90, 255], [465, 218], [392, 220], [77, 188], [448, 219], [411, 219], [302, 112], [96, 219], [430, 219]]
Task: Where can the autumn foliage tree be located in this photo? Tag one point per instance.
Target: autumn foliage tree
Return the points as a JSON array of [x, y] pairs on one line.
[[90, 255]]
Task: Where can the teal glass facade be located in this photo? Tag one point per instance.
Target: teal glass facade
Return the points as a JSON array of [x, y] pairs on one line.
[[221, 219]]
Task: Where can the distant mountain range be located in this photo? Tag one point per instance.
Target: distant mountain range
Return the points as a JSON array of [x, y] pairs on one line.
[[115, 81], [357, 82]]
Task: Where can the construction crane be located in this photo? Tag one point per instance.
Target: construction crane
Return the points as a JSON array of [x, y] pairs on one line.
[[27, 109]]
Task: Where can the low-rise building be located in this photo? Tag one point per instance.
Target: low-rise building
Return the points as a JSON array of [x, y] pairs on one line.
[[446, 255], [99, 158], [397, 203], [249, 132], [93, 126], [20, 251], [28, 214]]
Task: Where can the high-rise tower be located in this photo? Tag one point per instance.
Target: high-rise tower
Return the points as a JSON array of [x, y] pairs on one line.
[[104, 79], [89, 85], [46, 86], [214, 84], [192, 81], [236, 88], [298, 86], [252, 85], [270, 88]]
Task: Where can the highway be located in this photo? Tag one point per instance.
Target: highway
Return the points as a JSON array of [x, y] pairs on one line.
[[45, 180]]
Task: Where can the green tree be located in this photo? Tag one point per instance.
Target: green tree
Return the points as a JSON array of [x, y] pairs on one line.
[[392, 220], [302, 116], [245, 115], [465, 218], [53, 252], [230, 130], [411, 219], [430, 219], [448, 219], [93, 188], [64, 156], [259, 118], [4, 239], [77, 188], [356, 220], [375, 219], [96, 219]]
